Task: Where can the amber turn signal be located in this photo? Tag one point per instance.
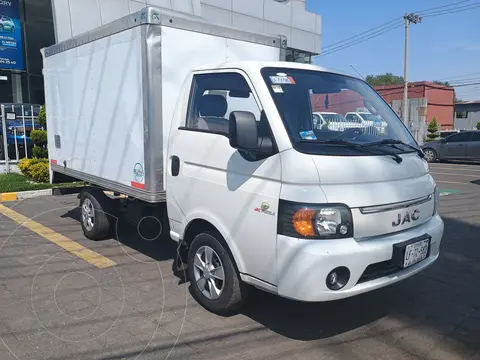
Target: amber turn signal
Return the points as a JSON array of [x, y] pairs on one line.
[[303, 222]]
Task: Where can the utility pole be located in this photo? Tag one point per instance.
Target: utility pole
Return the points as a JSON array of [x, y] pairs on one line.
[[415, 19]]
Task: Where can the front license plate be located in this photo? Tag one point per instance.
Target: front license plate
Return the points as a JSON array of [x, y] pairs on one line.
[[416, 252]]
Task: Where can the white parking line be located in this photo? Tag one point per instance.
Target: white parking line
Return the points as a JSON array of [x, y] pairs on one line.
[[453, 168], [452, 182], [457, 174]]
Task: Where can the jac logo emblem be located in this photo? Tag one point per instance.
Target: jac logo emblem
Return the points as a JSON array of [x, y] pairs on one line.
[[406, 217], [264, 209]]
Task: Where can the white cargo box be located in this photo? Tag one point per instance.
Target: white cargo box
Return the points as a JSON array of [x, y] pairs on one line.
[[110, 94]]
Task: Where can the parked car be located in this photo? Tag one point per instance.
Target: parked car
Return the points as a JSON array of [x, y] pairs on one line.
[[367, 120], [334, 121], [17, 137], [460, 146], [6, 24]]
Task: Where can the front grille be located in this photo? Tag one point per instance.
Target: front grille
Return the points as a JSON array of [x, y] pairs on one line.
[[378, 270]]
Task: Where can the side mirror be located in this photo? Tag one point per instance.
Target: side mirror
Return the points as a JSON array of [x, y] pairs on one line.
[[243, 133]]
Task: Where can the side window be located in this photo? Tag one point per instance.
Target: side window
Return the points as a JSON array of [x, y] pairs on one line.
[[214, 97], [466, 136], [476, 136]]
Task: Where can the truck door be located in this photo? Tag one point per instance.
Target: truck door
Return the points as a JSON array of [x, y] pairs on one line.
[[237, 192]]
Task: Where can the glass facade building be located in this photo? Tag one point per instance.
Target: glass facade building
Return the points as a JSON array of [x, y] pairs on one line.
[[39, 23], [21, 79]]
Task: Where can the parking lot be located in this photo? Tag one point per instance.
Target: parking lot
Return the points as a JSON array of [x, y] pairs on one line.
[[65, 297]]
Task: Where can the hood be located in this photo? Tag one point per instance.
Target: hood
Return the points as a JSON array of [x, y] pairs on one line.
[[360, 181]]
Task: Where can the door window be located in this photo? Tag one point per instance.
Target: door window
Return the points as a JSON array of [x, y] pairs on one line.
[[466, 136], [476, 136], [214, 97]]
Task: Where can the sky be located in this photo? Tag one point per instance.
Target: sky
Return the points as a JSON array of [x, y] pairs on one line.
[[445, 47]]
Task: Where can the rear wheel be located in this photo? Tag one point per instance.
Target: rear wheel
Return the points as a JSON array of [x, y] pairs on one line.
[[96, 222], [430, 155], [214, 279]]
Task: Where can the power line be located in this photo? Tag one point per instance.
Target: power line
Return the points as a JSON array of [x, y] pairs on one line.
[[393, 24], [359, 41], [363, 33], [442, 7], [459, 76], [446, 12]]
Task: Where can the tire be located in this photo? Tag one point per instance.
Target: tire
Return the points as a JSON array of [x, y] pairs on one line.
[[99, 226], [233, 291], [430, 155]]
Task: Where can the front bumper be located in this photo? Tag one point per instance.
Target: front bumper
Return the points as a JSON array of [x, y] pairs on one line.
[[303, 265]]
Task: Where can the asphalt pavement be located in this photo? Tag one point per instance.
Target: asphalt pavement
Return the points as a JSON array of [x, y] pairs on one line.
[[65, 297]]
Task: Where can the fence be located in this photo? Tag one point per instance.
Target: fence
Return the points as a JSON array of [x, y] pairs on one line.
[[416, 120], [16, 123]]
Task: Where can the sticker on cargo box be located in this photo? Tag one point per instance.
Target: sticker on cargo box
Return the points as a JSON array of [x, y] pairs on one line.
[[277, 89], [308, 135], [282, 80], [138, 172]]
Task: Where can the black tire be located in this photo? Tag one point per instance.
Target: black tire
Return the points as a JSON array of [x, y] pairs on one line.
[[430, 155], [102, 220], [234, 291]]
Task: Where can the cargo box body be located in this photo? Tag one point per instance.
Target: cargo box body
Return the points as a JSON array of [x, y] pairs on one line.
[[111, 93]]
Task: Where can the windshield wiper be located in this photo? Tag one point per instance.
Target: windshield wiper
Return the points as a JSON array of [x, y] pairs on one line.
[[360, 147], [396, 142]]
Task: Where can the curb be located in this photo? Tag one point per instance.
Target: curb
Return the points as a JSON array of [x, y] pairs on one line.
[[21, 195]]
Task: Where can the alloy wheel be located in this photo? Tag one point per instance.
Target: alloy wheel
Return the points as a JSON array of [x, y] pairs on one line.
[[209, 272]]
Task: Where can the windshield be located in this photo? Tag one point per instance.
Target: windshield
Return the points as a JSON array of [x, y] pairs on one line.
[[299, 94]]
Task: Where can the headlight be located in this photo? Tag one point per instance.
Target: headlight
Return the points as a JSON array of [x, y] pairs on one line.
[[311, 221], [436, 200]]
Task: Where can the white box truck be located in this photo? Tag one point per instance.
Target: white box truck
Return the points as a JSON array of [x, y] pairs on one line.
[[202, 128]]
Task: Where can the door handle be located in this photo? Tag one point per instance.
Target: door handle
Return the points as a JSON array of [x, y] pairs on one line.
[[175, 165], [459, 145]]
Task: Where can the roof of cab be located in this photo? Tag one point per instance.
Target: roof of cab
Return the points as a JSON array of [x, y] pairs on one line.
[[258, 65]]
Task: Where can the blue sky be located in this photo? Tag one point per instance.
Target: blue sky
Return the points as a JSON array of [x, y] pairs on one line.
[[441, 47]]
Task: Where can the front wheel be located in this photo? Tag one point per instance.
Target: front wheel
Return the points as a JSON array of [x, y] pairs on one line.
[[214, 279], [430, 155]]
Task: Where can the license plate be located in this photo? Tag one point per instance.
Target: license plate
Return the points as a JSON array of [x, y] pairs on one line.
[[416, 252]]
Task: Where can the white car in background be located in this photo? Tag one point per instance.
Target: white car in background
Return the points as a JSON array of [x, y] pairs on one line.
[[367, 120], [333, 121]]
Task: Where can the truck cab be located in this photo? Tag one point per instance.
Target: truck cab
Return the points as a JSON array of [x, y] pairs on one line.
[[262, 197]]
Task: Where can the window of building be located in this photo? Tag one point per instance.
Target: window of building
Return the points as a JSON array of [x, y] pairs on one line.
[[461, 114]]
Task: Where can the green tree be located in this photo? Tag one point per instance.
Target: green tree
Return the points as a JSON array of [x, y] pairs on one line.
[[478, 125], [42, 117], [384, 79], [432, 130], [39, 138]]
